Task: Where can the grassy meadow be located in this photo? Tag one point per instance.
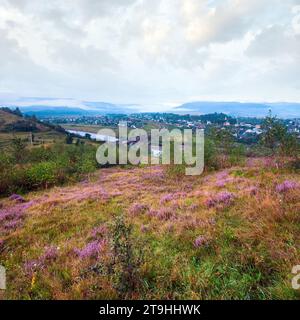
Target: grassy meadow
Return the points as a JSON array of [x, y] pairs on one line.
[[151, 233]]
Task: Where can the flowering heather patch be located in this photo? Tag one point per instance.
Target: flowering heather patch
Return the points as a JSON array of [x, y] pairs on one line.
[[166, 198], [12, 225], [152, 213], [286, 186], [224, 198], [193, 207], [191, 223], [99, 232], [221, 183], [116, 193], [49, 255], [138, 208], [165, 214], [222, 175], [17, 198], [11, 217], [154, 176], [200, 241], [91, 250]]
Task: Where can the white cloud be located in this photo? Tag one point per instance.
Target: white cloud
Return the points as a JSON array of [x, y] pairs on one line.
[[157, 51]]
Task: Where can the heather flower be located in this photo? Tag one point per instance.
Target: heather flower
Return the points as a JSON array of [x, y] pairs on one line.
[[221, 198], [50, 254], [91, 250], [200, 241], [252, 190], [99, 232], [222, 175], [224, 197], [152, 213], [31, 266], [286, 186], [155, 176], [221, 183], [116, 194], [165, 214], [17, 198], [11, 225], [166, 198], [138, 208]]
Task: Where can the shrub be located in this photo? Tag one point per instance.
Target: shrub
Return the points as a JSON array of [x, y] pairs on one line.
[[126, 260], [42, 174]]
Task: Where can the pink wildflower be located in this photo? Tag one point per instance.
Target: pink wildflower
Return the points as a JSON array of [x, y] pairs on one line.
[[200, 241], [91, 250], [138, 208], [286, 186]]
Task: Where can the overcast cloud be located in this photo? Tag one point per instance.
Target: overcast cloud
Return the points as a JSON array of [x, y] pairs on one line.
[[161, 52]]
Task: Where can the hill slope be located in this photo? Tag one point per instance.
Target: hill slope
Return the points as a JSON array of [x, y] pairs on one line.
[[10, 122], [233, 234]]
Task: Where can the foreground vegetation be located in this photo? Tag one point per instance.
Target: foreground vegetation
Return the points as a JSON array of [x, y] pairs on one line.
[[23, 169], [143, 233]]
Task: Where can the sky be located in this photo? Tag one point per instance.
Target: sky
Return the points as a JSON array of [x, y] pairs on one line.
[[151, 52]]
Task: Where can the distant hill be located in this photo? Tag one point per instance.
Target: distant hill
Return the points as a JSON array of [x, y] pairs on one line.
[[281, 109], [59, 107], [44, 107]]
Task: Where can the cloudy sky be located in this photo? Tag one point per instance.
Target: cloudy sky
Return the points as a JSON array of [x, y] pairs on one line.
[[161, 52]]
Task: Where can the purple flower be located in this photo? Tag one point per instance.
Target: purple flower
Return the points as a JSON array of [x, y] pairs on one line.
[[91, 250], [12, 225], [99, 232], [200, 241], [252, 190], [225, 198], [138, 208], [31, 266], [50, 254], [166, 198], [165, 214], [286, 186], [222, 174], [221, 183], [17, 198]]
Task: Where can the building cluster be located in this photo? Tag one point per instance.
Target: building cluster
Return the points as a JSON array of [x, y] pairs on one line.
[[244, 129]]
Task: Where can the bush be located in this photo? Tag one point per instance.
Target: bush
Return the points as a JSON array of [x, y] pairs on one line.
[[41, 174], [42, 167]]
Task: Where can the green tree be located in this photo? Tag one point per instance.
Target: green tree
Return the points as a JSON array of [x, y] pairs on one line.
[[274, 132], [276, 137], [69, 139]]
